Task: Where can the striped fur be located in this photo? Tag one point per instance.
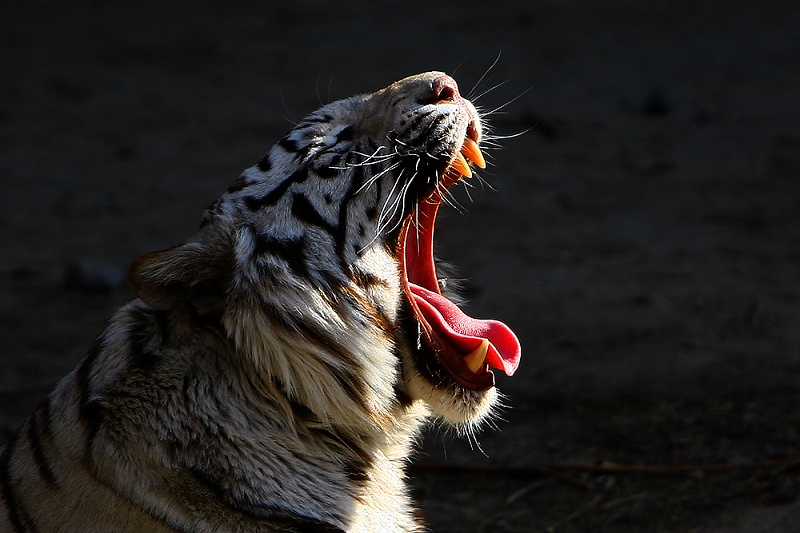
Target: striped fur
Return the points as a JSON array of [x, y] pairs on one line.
[[271, 376]]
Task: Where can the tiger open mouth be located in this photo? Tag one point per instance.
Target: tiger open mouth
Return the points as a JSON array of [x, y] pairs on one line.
[[466, 347]]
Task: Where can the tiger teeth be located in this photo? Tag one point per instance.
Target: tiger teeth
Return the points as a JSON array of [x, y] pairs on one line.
[[461, 166], [475, 359], [473, 153]]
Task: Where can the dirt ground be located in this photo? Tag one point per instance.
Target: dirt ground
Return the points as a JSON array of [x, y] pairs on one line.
[[643, 238]]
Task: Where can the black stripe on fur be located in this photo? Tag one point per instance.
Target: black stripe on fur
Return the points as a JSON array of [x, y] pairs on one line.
[[20, 520], [39, 432], [90, 411], [254, 203]]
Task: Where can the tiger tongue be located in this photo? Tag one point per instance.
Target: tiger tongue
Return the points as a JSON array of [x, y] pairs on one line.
[[467, 334]]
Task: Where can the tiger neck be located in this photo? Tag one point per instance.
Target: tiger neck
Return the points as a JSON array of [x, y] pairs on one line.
[[332, 347]]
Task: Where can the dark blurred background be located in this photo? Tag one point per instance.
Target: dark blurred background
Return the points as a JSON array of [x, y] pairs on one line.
[[642, 237]]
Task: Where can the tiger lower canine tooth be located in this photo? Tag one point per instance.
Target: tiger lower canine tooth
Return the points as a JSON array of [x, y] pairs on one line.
[[473, 153], [475, 359]]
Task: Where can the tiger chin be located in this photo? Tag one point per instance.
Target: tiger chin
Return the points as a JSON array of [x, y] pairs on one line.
[[276, 369]]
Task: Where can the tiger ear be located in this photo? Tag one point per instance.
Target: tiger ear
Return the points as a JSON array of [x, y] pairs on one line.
[[194, 274]]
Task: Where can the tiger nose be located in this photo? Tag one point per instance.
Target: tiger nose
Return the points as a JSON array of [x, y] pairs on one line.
[[444, 88], [441, 89]]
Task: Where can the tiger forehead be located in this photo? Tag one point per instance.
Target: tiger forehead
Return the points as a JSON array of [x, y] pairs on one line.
[[374, 115]]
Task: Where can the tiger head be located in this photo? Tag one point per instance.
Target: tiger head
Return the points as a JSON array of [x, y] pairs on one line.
[[318, 261]]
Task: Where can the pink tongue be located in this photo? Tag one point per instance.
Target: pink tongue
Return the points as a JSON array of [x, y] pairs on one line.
[[464, 333]]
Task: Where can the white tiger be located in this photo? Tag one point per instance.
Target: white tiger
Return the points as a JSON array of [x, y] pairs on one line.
[[276, 368]]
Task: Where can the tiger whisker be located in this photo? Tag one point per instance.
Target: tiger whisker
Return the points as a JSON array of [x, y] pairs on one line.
[[371, 159], [489, 144], [490, 89], [483, 182], [467, 187], [448, 198], [394, 201], [376, 177], [509, 136], [401, 202], [502, 106], [483, 76]]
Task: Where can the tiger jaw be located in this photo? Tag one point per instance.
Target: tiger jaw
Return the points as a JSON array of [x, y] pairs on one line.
[[464, 347]]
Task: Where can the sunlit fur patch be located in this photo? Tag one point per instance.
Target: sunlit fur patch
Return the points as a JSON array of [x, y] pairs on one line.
[[455, 405]]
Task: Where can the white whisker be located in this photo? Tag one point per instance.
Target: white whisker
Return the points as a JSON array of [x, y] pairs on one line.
[[369, 159], [498, 108], [510, 136], [487, 91], [376, 177], [483, 76], [485, 183]]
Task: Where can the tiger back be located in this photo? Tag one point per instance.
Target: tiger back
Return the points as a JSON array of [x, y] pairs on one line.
[[276, 368]]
